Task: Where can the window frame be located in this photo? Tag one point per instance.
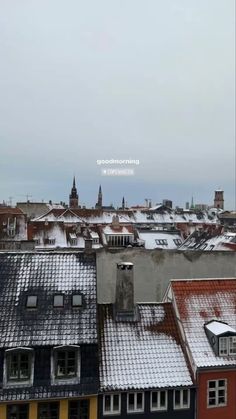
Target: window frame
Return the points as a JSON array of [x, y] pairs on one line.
[[13, 382], [217, 388], [76, 294], [159, 408], [18, 406], [135, 410], [63, 301], [181, 406], [31, 306], [48, 405], [231, 345], [73, 379], [228, 346], [111, 411]]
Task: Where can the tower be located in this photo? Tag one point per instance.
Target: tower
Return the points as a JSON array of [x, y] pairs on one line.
[[219, 199], [73, 198], [99, 203], [123, 203]]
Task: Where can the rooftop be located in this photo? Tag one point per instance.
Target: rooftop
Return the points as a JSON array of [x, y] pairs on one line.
[[44, 275], [199, 302], [142, 354]]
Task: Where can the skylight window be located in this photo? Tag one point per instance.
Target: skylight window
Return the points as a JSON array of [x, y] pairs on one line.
[[76, 300], [31, 301], [58, 301]]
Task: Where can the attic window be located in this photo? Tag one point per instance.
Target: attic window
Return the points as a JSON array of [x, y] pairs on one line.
[[162, 242], [31, 301], [177, 242], [227, 345], [58, 301], [222, 338], [76, 300]]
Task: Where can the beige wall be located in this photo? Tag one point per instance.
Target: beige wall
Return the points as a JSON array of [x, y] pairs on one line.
[[153, 270]]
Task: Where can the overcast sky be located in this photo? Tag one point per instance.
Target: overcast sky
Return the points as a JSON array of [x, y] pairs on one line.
[[117, 79]]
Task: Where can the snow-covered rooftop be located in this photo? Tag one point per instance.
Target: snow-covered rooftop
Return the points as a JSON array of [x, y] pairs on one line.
[[143, 354], [219, 328], [199, 302], [44, 275]]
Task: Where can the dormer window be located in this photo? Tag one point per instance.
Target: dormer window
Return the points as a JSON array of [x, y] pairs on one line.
[[227, 345], [58, 300], [65, 363], [222, 338], [31, 301], [19, 366]]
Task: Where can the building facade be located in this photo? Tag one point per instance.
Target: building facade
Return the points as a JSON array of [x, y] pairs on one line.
[[48, 336]]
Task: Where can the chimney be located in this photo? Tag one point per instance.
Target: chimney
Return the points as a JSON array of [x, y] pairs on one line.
[[125, 309]]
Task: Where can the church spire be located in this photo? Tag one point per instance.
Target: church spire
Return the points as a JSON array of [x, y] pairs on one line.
[[99, 203], [123, 203], [73, 198]]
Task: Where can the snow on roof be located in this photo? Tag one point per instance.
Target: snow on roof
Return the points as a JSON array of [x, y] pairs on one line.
[[207, 242], [198, 302], [219, 328], [94, 234], [46, 274], [154, 239], [143, 354], [120, 230]]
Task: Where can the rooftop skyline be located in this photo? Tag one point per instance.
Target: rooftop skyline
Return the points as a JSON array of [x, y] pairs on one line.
[[117, 80]]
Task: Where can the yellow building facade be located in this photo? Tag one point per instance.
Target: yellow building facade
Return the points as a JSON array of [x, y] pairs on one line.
[[33, 411]]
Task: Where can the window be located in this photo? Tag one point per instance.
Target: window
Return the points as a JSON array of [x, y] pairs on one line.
[[135, 402], [79, 409], [223, 346], [227, 345], [158, 400], [66, 363], [181, 399], [58, 301], [19, 365], [48, 410], [51, 241], [18, 411], [111, 404], [31, 301], [162, 242], [216, 393], [232, 345], [76, 300], [177, 242]]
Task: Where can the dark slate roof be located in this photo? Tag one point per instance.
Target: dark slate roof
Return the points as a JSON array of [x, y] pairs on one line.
[[141, 354], [44, 275]]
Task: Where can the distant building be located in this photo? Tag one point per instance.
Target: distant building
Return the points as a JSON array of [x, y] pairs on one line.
[[167, 203], [99, 203], [219, 199], [74, 197]]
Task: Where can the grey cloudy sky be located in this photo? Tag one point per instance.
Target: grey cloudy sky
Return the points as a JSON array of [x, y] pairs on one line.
[[85, 80]]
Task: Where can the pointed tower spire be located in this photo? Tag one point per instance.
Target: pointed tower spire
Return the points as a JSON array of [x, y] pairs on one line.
[[99, 203], [73, 198], [123, 203]]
